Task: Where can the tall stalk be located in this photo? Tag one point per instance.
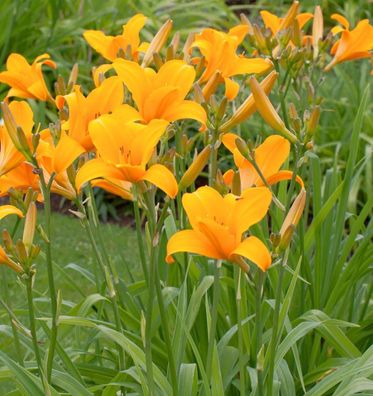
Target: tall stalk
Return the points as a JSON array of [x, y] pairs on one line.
[[35, 343], [259, 330], [214, 318], [52, 290]]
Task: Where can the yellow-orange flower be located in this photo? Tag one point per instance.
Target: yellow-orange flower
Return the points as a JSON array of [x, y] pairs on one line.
[[123, 152], [269, 157], [10, 157], [7, 210], [353, 44], [219, 52], [56, 159], [161, 95], [276, 24], [129, 40], [25, 80], [82, 110], [20, 178], [218, 225]]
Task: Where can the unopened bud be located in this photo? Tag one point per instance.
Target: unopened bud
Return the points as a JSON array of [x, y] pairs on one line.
[[198, 93], [157, 43], [245, 21], [211, 85], [313, 121], [248, 107], [293, 111], [292, 219], [157, 60], [288, 20], [195, 168], [317, 30], [242, 147], [268, 112], [30, 224], [236, 184], [73, 77]]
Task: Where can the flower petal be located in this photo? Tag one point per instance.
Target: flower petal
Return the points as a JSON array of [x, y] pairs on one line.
[[163, 178], [254, 250], [67, 150], [96, 169], [6, 210], [192, 242], [251, 208]]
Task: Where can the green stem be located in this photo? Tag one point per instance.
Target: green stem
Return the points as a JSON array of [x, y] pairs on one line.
[[140, 241], [33, 327], [214, 318], [108, 277], [273, 342], [240, 335], [52, 290], [259, 330], [166, 331], [213, 156]]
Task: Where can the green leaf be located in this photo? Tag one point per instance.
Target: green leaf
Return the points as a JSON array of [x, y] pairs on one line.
[[188, 379]]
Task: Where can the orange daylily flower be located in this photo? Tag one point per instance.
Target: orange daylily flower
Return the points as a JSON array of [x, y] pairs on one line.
[[219, 52], [276, 24], [7, 210], [124, 150], [129, 40], [82, 110], [344, 24], [20, 178], [161, 95], [218, 224], [269, 157], [27, 80], [10, 157], [353, 44], [56, 159]]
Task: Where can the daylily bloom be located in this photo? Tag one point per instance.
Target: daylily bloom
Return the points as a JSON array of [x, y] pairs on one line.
[[27, 80], [82, 110], [276, 24], [353, 44], [218, 224], [219, 54], [123, 152], [56, 159], [269, 157], [10, 156], [7, 210], [344, 24], [20, 178], [110, 46], [161, 95]]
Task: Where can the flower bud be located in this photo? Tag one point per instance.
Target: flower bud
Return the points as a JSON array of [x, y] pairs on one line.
[[30, 224], [195, 168], [236, 184], [248, 107], [313, 121], [267, 111], [157, 43], [317, 30], [211, 85], [288, 20], [292, 219], [245, 21]]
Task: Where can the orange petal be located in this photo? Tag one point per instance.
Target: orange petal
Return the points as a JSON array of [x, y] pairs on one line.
[[192, 242], [6, 210], [67, 150], [251, 208], [254, 250], [95, 169], [163, 178], [231, 88], [284, 175]]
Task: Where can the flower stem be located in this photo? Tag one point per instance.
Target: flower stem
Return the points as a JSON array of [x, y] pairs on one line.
[[33, 327], [239, 333], [214, 318], [52, 290], [259, 330], [274, 337], [140, 241]]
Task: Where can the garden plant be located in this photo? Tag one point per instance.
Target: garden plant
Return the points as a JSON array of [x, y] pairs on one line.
[[244, 154]]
